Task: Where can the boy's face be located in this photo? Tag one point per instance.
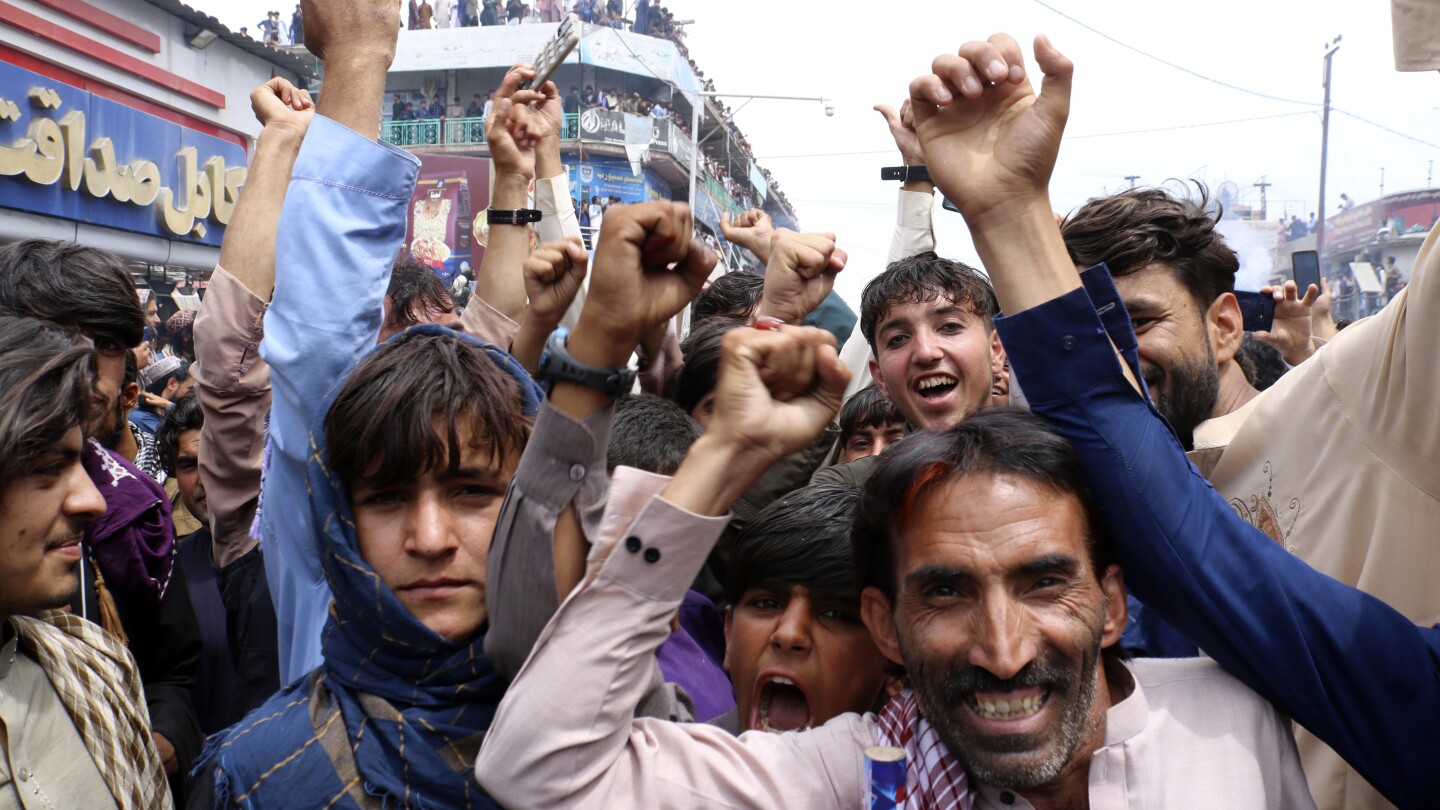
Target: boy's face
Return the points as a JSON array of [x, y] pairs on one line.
[[799, 658], [870, 440], [935, 360], [429, 537]]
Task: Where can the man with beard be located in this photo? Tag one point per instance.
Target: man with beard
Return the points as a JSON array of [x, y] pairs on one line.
[[986, 576], [1335, 462]]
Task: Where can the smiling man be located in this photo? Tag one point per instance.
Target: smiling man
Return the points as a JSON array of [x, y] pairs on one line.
[[934, 352]]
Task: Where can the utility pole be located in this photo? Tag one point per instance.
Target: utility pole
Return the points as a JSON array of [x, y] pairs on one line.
[[1132, 178], [1330, 49], [1382, 181], [1429, 173], [1262, 185]]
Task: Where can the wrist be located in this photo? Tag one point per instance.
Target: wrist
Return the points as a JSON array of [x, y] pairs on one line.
[[512, 190], [715, 474], [598, 345]]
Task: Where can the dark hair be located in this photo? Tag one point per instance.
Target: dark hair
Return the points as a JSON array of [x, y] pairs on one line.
[[701, 370], [1140, 227], [733, 295], [801, 539], [1265, 363], [650, 434], [414, 287], [46, 379], [132, 368], [75, 287], [925, 277], [186, 415], [994, 442], [179, 375], [867, 408], [381, 428]]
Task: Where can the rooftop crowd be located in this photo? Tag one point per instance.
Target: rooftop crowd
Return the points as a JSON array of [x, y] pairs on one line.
[[1034, 524]]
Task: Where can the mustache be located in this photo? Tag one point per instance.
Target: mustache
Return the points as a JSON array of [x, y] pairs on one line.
[[1043, 672]]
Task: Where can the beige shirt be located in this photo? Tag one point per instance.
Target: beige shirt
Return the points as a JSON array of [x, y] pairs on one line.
[[1339, 461], [1187, 736], [44, 764]]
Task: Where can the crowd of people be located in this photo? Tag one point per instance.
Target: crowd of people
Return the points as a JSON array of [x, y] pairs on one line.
[[541, 550]]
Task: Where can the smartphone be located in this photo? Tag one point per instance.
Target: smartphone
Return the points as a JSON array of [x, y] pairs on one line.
[[554, 52], [1258, 310], [1305, 264]]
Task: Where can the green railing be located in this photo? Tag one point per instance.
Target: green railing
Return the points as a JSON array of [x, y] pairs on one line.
[[716, 189], [454, 131]]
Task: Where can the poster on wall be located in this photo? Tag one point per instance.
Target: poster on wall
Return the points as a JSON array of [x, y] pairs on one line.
[[442, 215]]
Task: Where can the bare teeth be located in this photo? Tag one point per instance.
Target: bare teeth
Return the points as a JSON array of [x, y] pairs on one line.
[[935, 382], [1009, 709]]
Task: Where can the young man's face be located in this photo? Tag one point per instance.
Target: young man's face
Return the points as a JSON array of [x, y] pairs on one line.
[[109, 379], [429, 538], [42, 515], [187, 475], [999, 620], [871, 440], [1177, 359], [798, 658], [935, 360]]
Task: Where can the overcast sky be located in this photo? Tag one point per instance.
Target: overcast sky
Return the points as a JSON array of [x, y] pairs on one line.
[[860, 53]]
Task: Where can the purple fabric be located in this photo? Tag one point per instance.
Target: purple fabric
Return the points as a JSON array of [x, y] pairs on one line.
[[693, 657], [133, 543]]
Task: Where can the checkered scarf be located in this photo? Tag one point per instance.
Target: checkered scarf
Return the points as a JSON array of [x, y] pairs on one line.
[[97, 681], [933, 779]]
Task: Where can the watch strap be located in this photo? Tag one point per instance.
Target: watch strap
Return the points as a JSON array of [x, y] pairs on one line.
[[511, 216], [556, 363], [905, 173]]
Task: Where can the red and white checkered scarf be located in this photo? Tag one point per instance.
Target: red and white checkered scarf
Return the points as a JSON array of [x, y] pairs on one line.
[[933, 779]]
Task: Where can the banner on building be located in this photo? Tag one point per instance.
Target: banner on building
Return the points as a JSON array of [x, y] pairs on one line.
[[446, 223], [70, 154]]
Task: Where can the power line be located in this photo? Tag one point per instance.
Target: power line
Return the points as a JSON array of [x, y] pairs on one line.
[[1387, 129], [1167, 63]]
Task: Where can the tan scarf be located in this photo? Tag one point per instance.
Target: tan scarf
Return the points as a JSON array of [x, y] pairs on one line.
[[97, 681]]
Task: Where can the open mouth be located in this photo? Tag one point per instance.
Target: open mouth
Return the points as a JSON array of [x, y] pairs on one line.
[[993, 706], [781, 704], [935, 387]]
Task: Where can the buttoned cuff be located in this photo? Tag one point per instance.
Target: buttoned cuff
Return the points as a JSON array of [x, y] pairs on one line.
[[1059, 349], [335, 155], [662, 551], [564, 462], [549, 192], [228, 331], [488, 323], [915, 210]]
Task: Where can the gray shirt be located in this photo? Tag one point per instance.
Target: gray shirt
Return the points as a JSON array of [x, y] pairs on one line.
[[43, 762]]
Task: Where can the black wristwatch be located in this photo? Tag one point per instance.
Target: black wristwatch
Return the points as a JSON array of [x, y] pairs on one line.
[[905, 173], [516, 216], [557, 364]]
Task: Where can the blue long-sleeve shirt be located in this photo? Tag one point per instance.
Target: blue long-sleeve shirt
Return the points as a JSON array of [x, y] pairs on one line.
[[1349, 668], [341, 226]]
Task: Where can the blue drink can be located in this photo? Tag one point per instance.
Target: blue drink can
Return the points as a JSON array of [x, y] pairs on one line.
[[884, 778]]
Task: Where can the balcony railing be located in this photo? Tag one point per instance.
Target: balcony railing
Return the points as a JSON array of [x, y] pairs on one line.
[[454, 131]]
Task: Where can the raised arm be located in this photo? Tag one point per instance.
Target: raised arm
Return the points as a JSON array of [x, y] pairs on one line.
[[232, 380], [513, 130], [558, 493], [799, 273], [344, 215], [585, 678], [914, 228]]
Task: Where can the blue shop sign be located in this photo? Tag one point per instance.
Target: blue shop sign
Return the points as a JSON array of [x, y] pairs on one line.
[[68, 153]]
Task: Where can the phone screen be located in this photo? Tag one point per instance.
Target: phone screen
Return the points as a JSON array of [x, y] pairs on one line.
[[1305, 264], [1257, 309]]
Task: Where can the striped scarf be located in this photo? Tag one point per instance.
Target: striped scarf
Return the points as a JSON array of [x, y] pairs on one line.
[[97, 681], [933, 779]]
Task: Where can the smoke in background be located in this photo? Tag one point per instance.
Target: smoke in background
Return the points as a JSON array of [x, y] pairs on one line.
[[1254, 249]]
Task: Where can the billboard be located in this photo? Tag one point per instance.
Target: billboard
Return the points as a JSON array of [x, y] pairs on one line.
[[1407, 212], [69, 154], [445, 222], [611, 177]]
